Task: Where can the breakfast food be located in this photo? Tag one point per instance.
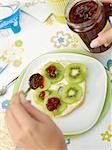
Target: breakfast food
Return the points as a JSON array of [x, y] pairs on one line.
[[75, 73], [71, 93], [53, 71], [59, 87], [38, 81], [40, 95]]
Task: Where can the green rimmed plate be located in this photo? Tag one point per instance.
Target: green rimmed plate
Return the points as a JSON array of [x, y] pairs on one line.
[[17, 86]]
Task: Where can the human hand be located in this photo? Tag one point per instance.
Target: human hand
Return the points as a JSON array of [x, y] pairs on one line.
[[30, 128], [105, 38]]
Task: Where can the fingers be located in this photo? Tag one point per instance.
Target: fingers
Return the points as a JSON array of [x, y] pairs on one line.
[[21, 115], [104, 39], [34, 113], [12, 124]]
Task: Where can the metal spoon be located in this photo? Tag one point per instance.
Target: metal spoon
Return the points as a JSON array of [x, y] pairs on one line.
[[3, 89]]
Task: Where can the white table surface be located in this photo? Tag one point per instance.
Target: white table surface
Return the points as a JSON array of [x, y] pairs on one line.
[[39, 38]]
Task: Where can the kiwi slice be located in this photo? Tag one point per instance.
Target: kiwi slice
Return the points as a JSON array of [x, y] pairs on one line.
[[71, 93], [54, 106], [39, 95], [75, 73], [38, 81], [53, 71]]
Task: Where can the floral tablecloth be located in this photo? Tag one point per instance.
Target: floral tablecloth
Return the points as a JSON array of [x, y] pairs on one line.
[[36, 38]]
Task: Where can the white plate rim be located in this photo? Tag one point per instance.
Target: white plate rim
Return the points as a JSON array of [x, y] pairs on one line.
[[73, 54]]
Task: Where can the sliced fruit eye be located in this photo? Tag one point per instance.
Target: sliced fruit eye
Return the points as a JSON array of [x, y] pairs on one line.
[[71, 93], [75, 73], [36, 80], [53, 103]]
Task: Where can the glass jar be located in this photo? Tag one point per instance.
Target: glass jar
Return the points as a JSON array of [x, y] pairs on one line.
[[88, 19], [108, 9]]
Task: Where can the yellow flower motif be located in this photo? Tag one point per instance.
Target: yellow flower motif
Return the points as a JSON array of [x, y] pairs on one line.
[[106, 136], [73, 39], [17, 62], [6, 52], [74, 45], [2, 57], [18, 43], [28, 4], [9, 60], [110, 128]]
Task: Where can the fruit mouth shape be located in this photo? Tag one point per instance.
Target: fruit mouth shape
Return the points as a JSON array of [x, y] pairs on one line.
[[39, 95], [38, 81], [42, 95], [75, 73], [53, 103], [35, 81], [71, 93], [53, 71], [54, 106]]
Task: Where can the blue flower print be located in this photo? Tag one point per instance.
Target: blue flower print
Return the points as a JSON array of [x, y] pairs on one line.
[[5, 104]]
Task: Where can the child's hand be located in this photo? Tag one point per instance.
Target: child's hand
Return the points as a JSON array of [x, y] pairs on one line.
[[105, 38], [30, 128]]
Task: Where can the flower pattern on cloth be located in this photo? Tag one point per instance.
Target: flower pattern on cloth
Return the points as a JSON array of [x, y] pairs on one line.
[[110, 128], [5, 104], [62, 39], [29, 3], [14, 55], [107, 135]]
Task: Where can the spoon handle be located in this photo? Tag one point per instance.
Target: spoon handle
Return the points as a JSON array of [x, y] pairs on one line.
[[10, 83], [26, 92]]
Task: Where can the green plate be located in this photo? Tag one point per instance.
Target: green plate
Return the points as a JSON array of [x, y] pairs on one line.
[[109, 87]]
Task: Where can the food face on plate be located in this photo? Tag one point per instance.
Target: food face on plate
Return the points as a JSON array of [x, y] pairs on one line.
[[59, 87]]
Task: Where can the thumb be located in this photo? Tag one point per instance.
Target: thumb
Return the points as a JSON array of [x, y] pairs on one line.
[[103, 39], [33, 112]]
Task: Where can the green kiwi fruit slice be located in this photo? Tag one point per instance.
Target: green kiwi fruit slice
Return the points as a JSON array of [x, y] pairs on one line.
[[46, 84], [54, 106], [53, 71], [75, 73], [39, 95], [71, 93], [38, 81]]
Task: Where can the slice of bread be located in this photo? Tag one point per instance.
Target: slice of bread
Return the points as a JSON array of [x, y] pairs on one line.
[[69, 108], [77, 104]]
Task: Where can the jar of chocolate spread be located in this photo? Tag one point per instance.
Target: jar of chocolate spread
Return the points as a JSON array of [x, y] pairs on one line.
[[88, 19]]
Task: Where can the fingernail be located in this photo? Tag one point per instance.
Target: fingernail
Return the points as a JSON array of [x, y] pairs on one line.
[[94, 44], [106, 44], [22, 97]]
